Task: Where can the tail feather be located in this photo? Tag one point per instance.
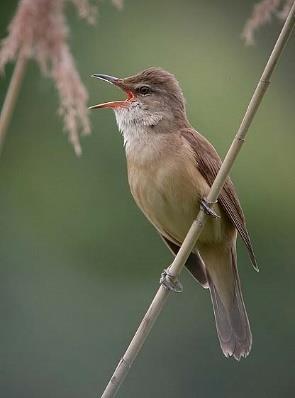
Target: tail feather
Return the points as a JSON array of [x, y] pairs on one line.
[[231, 318]]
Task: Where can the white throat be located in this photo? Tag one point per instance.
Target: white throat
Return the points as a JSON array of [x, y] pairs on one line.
[[135, 124]]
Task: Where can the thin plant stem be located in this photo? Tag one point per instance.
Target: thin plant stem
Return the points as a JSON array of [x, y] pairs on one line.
[[197, 226], [11, 97]]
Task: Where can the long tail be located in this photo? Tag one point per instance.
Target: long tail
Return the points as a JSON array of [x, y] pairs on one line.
[[231, 318]]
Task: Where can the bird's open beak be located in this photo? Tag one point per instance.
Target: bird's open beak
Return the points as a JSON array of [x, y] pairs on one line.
[[119, 83]]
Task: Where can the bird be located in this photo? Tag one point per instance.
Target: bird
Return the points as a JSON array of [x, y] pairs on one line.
[[171, 168]]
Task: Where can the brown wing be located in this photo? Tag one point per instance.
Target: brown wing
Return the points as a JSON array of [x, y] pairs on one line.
[[194, 263], [208, 163]]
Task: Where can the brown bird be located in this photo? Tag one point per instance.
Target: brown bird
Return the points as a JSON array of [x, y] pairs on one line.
[[170, 170]]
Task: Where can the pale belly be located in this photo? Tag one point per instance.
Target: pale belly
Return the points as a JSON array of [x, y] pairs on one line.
[[169, 195]]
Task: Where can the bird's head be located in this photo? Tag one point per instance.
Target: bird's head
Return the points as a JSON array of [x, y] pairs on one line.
[[153, 97]]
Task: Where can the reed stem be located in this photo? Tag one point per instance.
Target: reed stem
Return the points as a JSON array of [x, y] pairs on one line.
[[11, 97]]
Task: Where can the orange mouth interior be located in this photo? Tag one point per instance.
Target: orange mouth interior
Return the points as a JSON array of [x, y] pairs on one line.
[[116, 104]]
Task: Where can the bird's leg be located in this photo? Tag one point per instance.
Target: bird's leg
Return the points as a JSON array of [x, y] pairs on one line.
[[205, 205], [170, 282]]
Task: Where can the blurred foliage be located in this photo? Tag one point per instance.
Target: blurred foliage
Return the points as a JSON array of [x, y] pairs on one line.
[[80, 264]]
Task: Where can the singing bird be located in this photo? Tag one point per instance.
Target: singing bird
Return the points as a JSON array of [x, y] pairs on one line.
[[170, 170]]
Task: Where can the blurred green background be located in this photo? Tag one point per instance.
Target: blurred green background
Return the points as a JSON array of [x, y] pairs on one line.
[[80, 264]]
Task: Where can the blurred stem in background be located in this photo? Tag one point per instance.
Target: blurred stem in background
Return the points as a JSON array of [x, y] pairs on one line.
[[11, 97]]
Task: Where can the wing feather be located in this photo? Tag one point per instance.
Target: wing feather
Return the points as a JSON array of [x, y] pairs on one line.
[[208, 163], [194, 263]]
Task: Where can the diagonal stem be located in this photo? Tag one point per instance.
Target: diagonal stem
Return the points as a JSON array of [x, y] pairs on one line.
[[197, 226], [11, 97]]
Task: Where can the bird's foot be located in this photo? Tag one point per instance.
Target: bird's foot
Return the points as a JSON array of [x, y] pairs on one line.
[[205, 205], [170, 282]]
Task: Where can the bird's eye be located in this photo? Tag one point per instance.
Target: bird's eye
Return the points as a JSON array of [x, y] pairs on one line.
[[144, 90]]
